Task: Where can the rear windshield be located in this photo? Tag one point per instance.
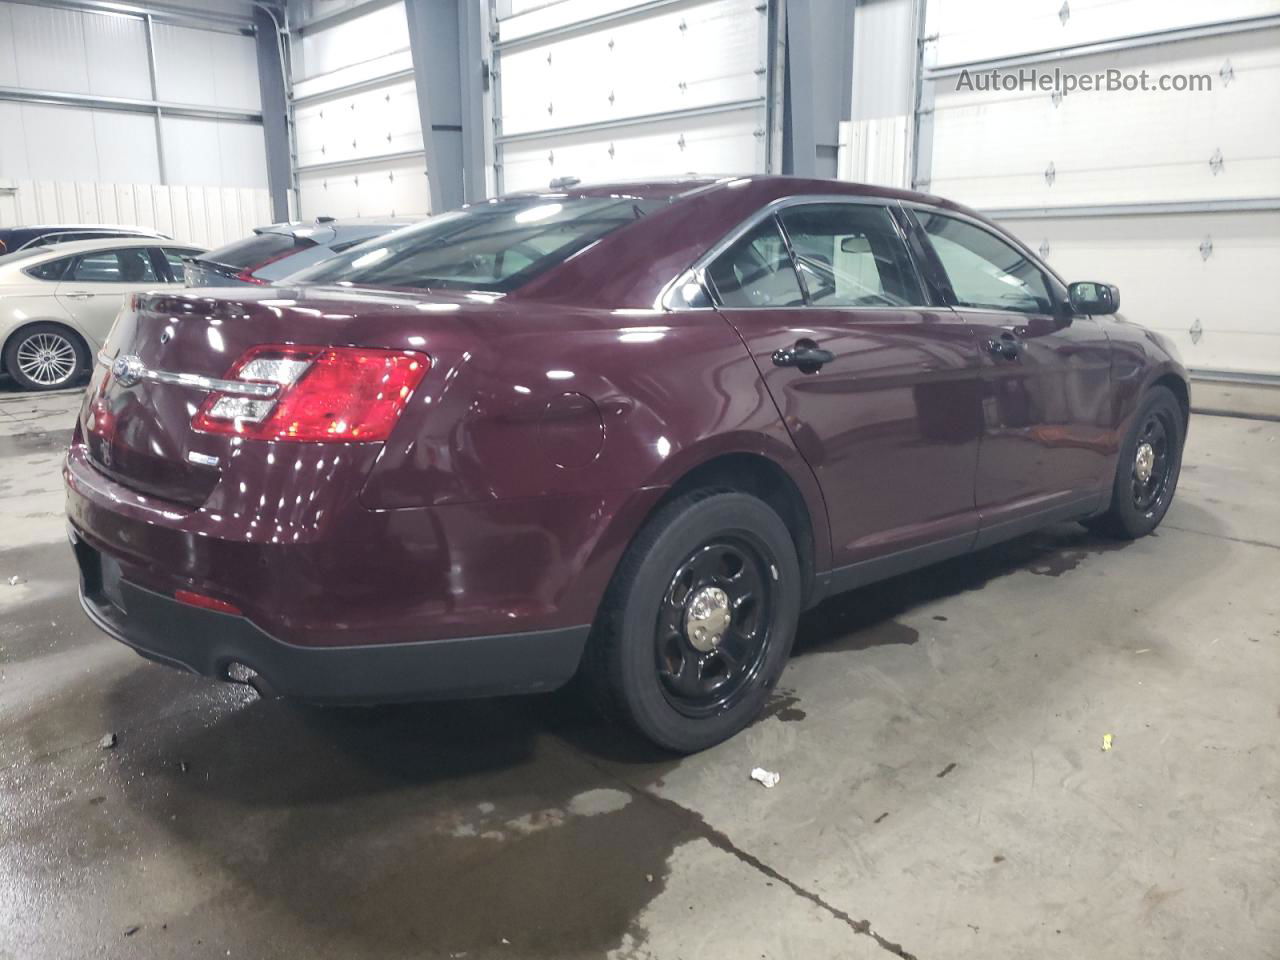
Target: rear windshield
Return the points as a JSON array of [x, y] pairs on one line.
[[252, 252], [491, 246]]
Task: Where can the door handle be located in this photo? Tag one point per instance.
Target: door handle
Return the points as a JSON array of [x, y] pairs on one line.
[[79, 295], [805, 354], [1007, 346]]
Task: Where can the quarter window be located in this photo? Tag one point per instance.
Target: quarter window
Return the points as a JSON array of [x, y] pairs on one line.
[[985, 271], [129, 265], [851, 255], [757, 271], [51, 269]]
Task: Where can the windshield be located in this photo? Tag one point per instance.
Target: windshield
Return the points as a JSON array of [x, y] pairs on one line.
[[491, 246]]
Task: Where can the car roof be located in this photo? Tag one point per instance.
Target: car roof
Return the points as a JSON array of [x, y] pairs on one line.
[[673, 188], [70, 227]]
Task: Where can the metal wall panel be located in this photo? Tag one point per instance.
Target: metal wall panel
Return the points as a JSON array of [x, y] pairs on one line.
[[89, 54], [214, 153], [1210, 298], [627, 79], [201, 66]]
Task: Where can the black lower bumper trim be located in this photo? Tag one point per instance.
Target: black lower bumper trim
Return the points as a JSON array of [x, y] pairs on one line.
[[209, 643]]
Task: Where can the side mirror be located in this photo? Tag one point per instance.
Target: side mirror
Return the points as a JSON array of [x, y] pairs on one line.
[[1093, 298]]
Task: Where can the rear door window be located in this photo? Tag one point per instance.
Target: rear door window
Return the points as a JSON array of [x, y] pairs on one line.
[[127, 265], [756, 271], [851, 255]]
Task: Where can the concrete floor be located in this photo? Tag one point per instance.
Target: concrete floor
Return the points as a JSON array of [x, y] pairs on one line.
[[944, 793]]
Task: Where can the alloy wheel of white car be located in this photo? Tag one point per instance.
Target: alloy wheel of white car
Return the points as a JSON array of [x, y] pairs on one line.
[[47, 359]]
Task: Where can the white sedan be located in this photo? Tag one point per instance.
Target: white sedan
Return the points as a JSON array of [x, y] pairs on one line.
[[57, 303]]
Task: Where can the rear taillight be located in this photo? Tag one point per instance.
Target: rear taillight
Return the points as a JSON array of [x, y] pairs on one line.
[[324, 394]]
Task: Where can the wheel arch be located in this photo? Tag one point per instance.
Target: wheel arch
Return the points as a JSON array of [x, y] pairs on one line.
[[1178, 387], [764, 479]]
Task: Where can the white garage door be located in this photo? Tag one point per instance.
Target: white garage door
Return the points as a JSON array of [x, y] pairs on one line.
[[355, 109], [1174, 195], [615, 89]]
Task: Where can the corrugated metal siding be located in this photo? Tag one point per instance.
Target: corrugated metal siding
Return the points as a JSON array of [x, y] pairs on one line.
[[208, 216]]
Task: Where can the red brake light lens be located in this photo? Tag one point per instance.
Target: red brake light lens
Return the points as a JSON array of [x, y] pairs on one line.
[[326, 394]]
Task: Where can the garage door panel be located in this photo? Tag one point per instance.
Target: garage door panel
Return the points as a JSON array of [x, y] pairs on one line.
[[974, 30], [993, 149], [395, 188], [1166, 282], [723, 143], [363, 124], [705, 54]]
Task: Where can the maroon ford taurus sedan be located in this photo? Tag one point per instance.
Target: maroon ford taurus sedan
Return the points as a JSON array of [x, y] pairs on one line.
[[630, 431]]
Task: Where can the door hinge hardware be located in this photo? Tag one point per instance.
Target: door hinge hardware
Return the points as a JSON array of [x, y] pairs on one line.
[[1050, 174], [1215, 162], [1044, 249], [551, 157], [1227, 73], [1196, 331], [611, 151], [1056, 97], [680, 142], [1064, 13], [1206, 247]]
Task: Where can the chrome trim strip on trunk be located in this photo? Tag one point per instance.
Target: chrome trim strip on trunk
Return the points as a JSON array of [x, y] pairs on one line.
[[238, 388]]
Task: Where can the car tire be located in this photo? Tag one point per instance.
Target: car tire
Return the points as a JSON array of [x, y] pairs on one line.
[[1148, 469], [705, 562], [45, 356]]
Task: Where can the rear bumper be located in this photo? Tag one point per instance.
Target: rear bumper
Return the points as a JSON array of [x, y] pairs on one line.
[[211, 644]]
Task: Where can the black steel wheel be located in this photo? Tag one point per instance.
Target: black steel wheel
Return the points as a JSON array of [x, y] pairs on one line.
[[1147, 468], [713, 625], [698, 621]]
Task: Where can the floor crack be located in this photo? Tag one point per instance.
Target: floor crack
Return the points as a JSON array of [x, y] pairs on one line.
[[1223, 536], [698, 826]]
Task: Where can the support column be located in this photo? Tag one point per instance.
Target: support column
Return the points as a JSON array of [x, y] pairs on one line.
[[275, 112], [444, 40]]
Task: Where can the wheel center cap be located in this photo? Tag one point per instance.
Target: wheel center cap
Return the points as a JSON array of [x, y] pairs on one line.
[[1144, 462], [706, 618]]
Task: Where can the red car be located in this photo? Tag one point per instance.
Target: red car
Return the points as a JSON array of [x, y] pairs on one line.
[[628, 430]]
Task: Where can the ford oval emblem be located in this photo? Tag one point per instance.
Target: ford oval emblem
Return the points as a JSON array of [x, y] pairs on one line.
[[128, 370]]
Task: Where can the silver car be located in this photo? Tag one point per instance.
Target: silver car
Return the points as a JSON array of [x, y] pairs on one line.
[[276, 251], [57, 303]]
